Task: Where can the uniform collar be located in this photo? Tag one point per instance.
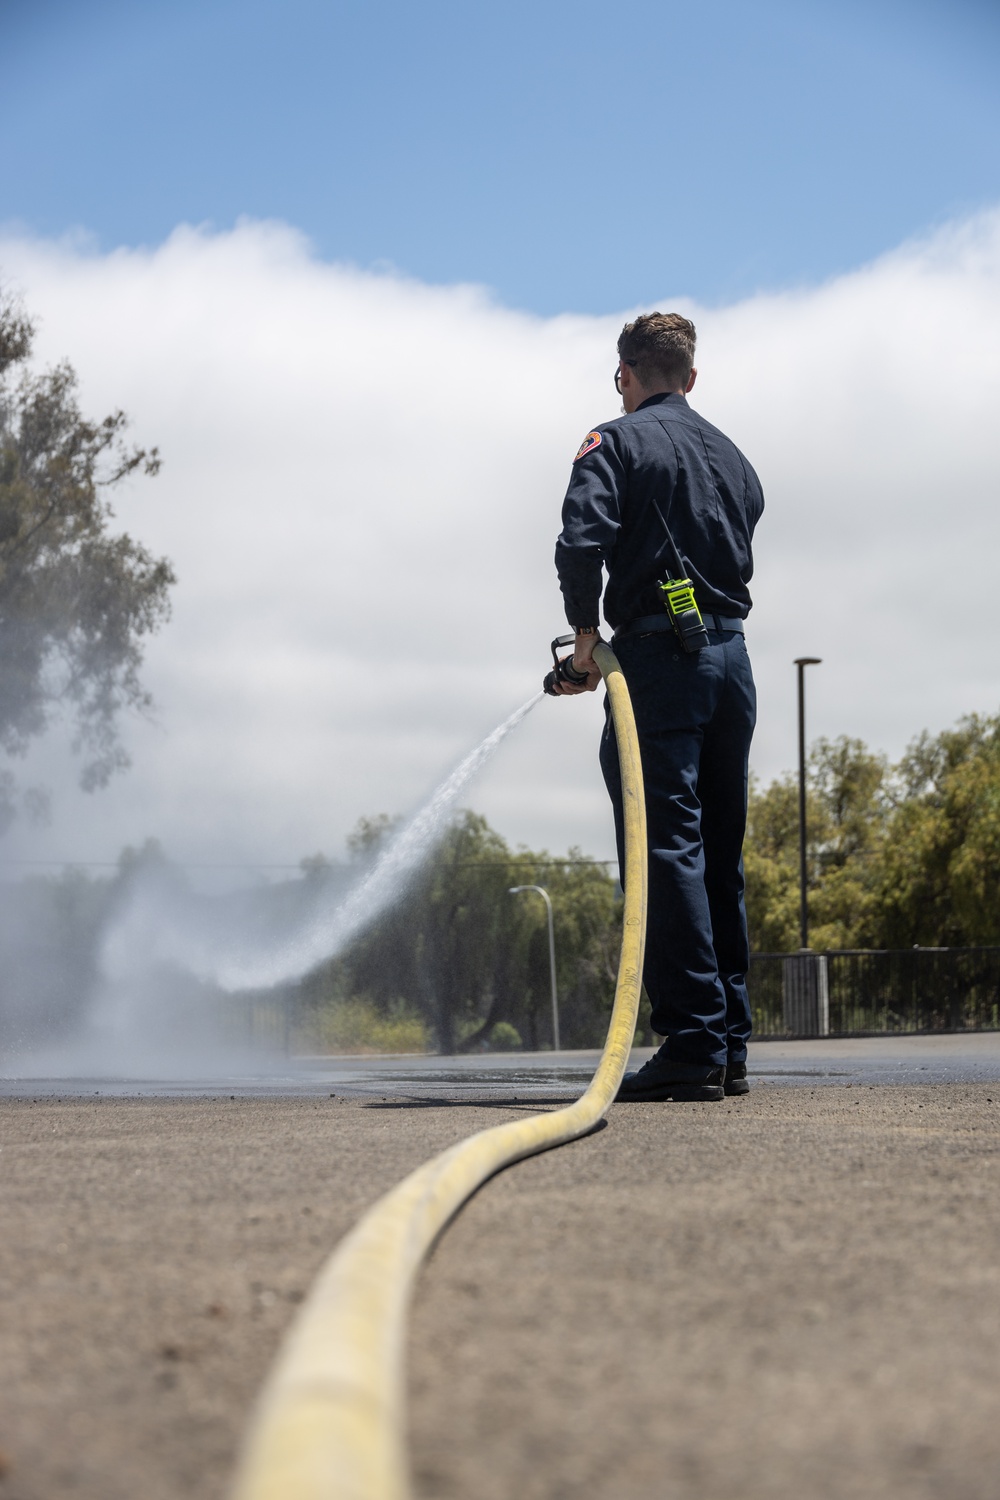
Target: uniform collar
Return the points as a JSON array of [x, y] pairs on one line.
[[661, 399]]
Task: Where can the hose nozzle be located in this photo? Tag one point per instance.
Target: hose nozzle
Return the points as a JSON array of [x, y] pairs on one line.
[[563, 670]]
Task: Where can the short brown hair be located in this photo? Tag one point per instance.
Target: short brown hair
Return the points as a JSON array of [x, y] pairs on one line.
[[659, 347]]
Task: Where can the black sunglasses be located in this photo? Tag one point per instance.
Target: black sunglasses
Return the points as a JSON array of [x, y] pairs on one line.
[[618, 372]]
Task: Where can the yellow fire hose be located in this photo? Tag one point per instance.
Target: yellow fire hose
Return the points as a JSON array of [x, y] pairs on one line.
[[330, 1422]]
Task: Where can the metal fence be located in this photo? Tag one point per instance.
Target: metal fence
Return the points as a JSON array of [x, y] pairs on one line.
[[865, 991], [850, 992]]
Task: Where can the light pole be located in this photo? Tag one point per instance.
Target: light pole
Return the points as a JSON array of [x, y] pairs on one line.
[[514, 889], [801, 663]]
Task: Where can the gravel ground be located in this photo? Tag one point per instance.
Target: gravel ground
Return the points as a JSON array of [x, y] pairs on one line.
[[793, 1294]]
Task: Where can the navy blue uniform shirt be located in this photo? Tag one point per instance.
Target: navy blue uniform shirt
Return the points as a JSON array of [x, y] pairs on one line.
[[707, 492]]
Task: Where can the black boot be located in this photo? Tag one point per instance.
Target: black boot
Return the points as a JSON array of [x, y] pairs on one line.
[[662, 1078], [736, 1079]]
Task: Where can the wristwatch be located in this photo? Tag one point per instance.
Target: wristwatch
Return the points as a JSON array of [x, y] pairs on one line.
[[587, 629]]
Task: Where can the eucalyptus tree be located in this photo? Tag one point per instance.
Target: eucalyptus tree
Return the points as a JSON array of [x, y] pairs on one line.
[[77, 595]]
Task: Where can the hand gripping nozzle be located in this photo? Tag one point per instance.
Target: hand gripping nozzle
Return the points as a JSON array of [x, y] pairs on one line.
[[563, 671]]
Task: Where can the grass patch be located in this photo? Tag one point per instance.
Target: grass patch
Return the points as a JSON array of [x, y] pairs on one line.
[[357, 1025]]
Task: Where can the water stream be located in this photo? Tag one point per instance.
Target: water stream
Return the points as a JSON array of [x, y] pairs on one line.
[[158, 928]]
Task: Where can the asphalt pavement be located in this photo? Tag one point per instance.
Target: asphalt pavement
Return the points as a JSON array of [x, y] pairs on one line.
[[959, 1057], [792, 1294]]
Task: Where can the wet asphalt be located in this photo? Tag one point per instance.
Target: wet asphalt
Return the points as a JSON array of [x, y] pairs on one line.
[[959, 1057]]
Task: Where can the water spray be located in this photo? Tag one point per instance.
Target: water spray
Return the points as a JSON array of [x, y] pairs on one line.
[[331, 931], [234, 956]]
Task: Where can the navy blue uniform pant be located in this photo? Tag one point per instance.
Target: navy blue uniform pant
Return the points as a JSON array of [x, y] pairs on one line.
[[695, 717]]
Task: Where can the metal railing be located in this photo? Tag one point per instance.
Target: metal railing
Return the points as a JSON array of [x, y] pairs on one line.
[[847, 992], [865, 991]]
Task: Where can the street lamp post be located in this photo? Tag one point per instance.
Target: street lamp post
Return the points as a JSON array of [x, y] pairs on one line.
[[801, 663], [513, 891]]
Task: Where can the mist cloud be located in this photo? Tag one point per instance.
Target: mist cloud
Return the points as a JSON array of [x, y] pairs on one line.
[[361, 493]]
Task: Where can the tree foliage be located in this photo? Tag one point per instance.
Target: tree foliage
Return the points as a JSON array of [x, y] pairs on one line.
[[457, 964], [897, 855], [473, 960], [76, 598], [941, 862]]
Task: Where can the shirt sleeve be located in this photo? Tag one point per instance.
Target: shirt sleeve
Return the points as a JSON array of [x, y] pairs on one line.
[[591, 517]]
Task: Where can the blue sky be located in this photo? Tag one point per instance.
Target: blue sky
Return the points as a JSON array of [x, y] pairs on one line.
[[580, 157]]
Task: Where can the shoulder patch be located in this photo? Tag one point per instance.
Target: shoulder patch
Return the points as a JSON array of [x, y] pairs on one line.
[[590, 442]]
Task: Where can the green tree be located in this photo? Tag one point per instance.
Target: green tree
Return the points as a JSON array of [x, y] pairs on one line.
[[76, 598], [848, 807], [770, 865], [440, 948], [941, 869], [898, 855], [474, 961], [587, 919], [852, 802]]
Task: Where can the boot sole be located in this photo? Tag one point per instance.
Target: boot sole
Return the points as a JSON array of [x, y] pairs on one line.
[[737, 1086], [681, 1092]]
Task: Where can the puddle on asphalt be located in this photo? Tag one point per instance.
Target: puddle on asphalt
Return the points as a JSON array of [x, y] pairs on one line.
[[800, 1073], [505, 1078]]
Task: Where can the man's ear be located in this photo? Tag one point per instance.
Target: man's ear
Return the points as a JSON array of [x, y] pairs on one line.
[[690, 385]]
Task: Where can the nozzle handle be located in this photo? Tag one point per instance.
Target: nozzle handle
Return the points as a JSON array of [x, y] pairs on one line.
[[563, 670]]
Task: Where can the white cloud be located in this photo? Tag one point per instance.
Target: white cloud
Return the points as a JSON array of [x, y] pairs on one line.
[[361, 492]]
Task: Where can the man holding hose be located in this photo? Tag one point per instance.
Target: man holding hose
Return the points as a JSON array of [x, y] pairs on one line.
[[661, 468]]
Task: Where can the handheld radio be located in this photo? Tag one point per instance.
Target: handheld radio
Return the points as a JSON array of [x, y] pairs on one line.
[[678, 598]]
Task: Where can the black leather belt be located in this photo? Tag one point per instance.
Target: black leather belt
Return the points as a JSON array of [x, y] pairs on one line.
[[645, 623]]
